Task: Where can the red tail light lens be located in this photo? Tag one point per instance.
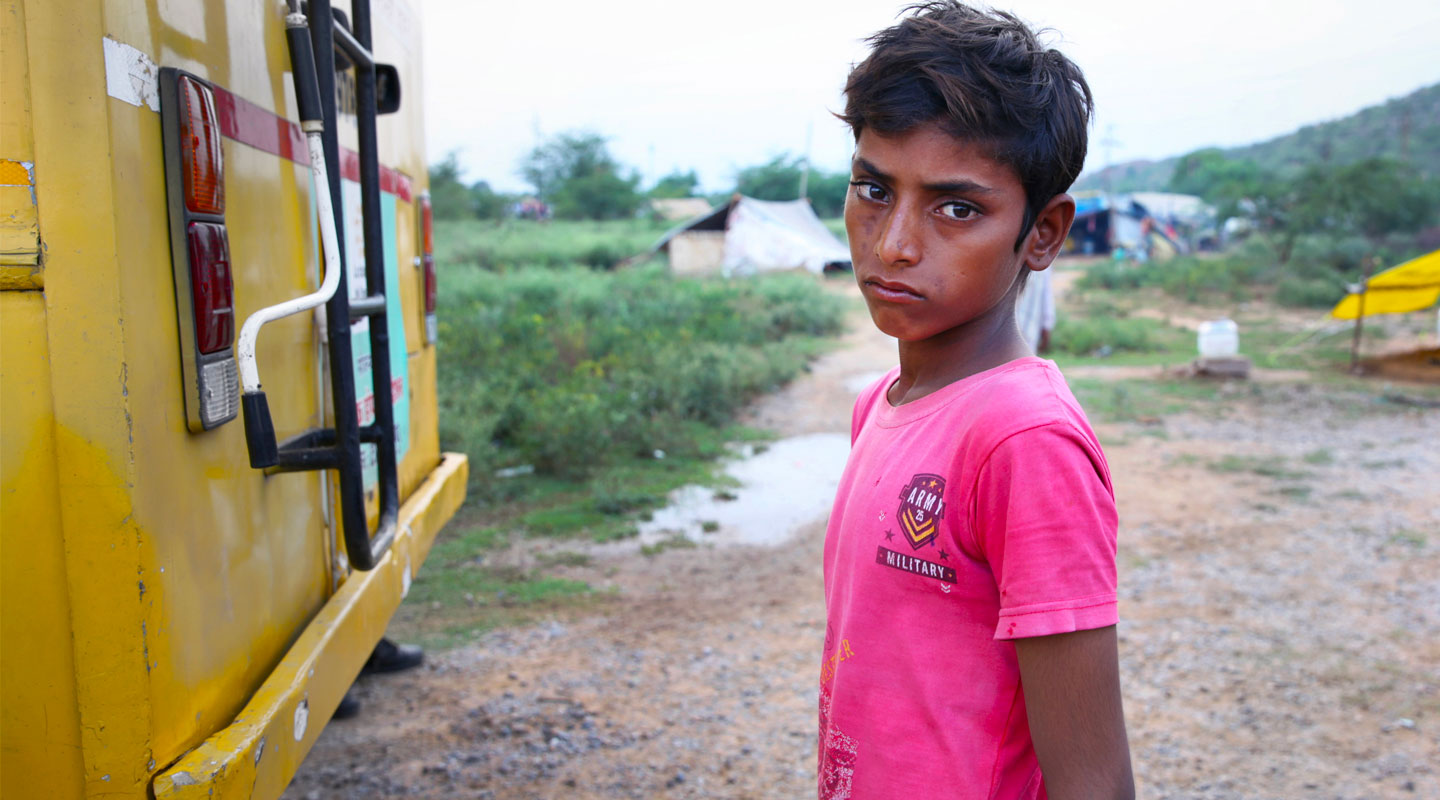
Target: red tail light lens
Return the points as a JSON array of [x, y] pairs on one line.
[[201, 160], [427, 259], [211, 285], [429, 263]]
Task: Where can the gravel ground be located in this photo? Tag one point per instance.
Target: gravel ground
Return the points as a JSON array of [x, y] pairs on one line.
[[1280, 634]]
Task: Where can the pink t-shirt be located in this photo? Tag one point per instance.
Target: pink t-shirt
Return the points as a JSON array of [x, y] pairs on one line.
[[975, 515]]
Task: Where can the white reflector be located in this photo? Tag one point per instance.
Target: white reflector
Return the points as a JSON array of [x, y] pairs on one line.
[[219, 392]]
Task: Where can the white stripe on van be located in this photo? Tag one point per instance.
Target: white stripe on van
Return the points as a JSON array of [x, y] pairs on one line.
[[130, 75]]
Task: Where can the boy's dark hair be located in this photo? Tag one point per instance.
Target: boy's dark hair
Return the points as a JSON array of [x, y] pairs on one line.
[[985, 77]]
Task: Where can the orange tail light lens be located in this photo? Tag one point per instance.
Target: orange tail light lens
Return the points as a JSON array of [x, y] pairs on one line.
[[202, 163]]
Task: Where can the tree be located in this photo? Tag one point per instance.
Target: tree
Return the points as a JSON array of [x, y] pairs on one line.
[[449, 198], [779, 179], [1379, 196], [1371, 198], [1229, 184], [488, 203], [676, 184], [828, 191], [776, 179], [575, 174]]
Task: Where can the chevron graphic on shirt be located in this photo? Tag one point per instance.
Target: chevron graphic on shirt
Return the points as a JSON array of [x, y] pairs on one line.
[[921, 506], [918, 532]]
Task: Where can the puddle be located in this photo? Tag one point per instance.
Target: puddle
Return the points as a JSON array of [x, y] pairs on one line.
[[790, 483]]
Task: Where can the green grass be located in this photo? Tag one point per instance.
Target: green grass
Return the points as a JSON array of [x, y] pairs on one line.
[[459, 544], [1101, 315], [1265, 466], [677, 542], [480, 586], [564, 558], [1190, 278], [1100, 327], [1141, 400], [1099, 336], [1408, 537], [570, 370], [518, 244], [1319, 457]]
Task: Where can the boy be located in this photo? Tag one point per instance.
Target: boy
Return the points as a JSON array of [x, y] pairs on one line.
[[970, 557]]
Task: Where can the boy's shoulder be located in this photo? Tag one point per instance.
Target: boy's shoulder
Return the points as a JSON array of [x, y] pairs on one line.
[[988, 407], [1025, 393]]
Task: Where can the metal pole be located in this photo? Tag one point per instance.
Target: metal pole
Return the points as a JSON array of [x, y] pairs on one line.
[[805, 171], [1360, 316]]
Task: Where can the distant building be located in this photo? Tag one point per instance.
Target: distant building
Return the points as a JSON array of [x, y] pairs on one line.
[[1140, 224], [746, 236], [676, 209]]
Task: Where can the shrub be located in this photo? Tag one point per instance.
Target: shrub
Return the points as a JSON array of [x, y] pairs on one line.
[[1089, 335], [1188, 277], [1309, 292], [520, 244], [568, 369], [1323, 255], [1114, 274]]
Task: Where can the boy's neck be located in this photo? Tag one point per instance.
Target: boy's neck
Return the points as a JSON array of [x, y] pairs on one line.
[[983, 343]]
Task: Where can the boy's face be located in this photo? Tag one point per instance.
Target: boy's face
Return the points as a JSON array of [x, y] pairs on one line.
[[932, 222]]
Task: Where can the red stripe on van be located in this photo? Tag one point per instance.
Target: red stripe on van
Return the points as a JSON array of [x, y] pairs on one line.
[[247, 123]]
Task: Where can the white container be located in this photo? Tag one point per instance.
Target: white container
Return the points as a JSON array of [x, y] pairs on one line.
[[1219, 338]]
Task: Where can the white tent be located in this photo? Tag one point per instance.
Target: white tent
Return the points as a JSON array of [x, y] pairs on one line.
[[747, 236]]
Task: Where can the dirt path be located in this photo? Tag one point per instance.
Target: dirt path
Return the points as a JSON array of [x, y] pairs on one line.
[[1280, 579]]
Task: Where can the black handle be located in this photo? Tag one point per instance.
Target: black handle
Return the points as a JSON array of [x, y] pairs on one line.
[[302, 63], [259, 430]]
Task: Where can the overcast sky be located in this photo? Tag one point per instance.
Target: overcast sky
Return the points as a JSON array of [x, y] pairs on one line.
[[719, 86]]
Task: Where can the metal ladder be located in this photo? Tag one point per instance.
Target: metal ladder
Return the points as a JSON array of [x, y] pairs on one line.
[[314, 40]]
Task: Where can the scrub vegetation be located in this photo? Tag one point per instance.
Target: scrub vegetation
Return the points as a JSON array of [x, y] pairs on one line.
[[515, 244], [583, 395], [1319, 269]]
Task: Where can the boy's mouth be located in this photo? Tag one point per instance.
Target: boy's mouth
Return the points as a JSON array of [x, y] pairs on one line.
[[892, 291]]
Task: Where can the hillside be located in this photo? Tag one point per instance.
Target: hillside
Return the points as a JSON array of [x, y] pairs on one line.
[[1406, 128]]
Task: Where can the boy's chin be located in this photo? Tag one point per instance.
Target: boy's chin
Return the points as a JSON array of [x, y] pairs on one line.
[[901, 333]]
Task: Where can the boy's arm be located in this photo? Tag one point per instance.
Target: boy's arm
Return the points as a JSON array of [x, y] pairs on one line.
[[1072, 699]]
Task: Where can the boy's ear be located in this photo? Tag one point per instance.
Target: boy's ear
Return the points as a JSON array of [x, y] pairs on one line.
[[1048, 234]]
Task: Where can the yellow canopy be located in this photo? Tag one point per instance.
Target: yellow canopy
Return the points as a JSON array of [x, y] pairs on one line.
[[1409, 287]]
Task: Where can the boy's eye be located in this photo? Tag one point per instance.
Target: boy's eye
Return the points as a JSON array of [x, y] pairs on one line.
[[958, 210], [869, 191]]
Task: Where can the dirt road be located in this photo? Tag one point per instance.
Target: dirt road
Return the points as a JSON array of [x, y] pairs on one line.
[[1280, 635]]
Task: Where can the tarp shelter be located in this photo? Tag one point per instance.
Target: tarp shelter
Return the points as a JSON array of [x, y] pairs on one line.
[[1149, 222], [746, 236], [1409, 287]]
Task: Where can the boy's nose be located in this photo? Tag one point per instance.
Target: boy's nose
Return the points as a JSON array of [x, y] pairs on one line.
[[898, 243]]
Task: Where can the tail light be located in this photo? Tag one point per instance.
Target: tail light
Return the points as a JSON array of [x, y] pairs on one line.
[[211, 289], [427, 264], [199, 249], [202, 161]]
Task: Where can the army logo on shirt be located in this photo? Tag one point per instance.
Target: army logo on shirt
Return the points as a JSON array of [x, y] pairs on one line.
[[921, 505]]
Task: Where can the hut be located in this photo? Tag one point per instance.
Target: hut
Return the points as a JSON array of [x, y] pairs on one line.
[[746, 236]]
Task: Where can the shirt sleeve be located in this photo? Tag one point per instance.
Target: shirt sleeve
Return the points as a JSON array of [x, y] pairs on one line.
[[1044, 519]]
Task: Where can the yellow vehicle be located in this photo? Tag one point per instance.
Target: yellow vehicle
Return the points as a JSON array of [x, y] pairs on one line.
[[195, 196]]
